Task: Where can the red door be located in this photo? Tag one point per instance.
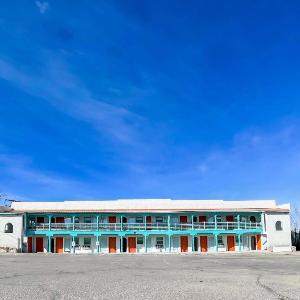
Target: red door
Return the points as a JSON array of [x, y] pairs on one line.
[[59, 245], [203, 243], [29, 244], [39, 244], [132, 244], [258, 242], [184, 243], [112, 244], [59, 220], [230, 218], [112, 219], [230, 243], [183, 219], [40, 219], [148, 219], [202, 219]]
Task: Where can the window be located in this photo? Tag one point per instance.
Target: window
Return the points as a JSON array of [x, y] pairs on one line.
[[9, 228], [159, 219], [139, 220], [140, 241], [87, 220], [219, 219], [278, 226], [76, 219], [87, 242], [252, 219], [159, 242], [220, 241], [76, 240], [40, 219]]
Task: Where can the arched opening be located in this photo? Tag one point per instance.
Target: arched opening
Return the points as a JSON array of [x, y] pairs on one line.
[[9, 228], [278, 226]]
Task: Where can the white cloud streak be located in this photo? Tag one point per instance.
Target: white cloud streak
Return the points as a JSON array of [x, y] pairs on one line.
[[68, 94], [42, 6]]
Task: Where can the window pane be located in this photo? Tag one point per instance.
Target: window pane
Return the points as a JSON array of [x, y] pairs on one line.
[[139, 220]]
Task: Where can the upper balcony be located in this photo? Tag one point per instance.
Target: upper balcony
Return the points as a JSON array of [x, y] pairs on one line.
[[144, 227]]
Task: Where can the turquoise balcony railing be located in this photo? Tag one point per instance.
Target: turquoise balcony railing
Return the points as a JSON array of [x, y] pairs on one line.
[[119, 227]]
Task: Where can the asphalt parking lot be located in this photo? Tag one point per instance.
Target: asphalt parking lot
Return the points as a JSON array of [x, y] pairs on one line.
[[223, 276]]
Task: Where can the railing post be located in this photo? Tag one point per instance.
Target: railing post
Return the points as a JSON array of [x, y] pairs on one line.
[[216, 242], [121, 223], [238, 220], [145, 223], [240, 246], [215, 217], [169, 222], [49, 223], [73, 222], [97, 218], [192, 222]]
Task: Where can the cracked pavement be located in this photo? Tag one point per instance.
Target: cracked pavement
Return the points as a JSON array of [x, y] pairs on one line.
[[163, 276]]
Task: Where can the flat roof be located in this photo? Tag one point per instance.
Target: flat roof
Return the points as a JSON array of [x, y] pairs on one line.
[[148, 205]]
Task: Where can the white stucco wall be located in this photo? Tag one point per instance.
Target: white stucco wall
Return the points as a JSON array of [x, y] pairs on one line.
[[11, 240], [278, 240]]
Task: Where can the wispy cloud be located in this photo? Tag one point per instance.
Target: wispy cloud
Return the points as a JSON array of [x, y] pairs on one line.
[[57, 85], [19, 169], [259, 163], [42, 6]]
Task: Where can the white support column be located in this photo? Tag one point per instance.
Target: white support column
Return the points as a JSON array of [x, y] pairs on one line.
[[97, 241], [240, 244]]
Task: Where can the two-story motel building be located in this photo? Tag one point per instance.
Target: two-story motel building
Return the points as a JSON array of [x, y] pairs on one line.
[[146, 226]]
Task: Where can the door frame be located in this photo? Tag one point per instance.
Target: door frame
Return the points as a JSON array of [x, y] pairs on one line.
[[115, 243], [128, 243], [63, 244], [232, 247], [187, 245], [201, 238], [40, 238]]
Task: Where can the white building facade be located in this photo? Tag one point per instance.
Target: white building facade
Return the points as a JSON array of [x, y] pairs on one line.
[[146, 226]]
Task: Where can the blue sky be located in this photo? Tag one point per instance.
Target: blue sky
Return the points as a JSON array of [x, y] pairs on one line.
[[150, 99]]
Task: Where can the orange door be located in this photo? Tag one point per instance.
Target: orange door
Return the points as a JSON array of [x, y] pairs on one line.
[[59, 248], [229, 218], [112, 219], [203, 243], [132, 244], [258, 242], [29, 244], [230, 243], [184, 243], [39, 244], [59, 220], [183, 219], [112, 244], [202, 218]]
